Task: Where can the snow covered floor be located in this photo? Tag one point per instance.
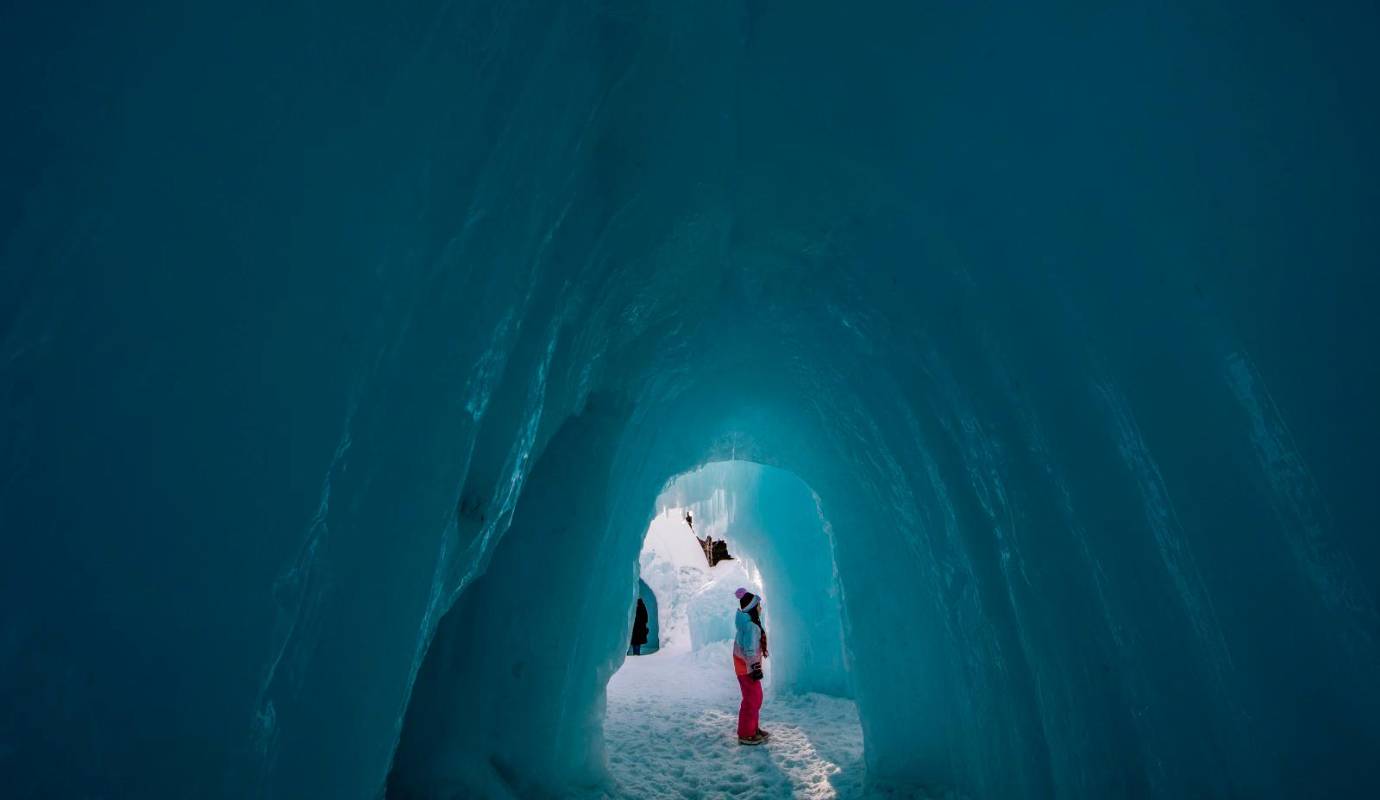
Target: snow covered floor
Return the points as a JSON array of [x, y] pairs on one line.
[[671, 726]]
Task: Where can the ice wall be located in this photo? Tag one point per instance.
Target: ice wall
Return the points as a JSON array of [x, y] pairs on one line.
[[323, 332]]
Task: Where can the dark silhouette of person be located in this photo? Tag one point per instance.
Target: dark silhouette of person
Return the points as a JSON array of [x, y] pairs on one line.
[[640, 630]]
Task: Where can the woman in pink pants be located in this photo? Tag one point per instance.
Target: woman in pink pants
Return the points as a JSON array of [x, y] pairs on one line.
[[749, 648]]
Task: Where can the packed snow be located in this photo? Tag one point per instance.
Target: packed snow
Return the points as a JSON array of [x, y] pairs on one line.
[[670, 732]]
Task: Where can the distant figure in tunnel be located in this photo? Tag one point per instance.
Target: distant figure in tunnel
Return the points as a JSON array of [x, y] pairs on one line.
[[749, 648], [639, 633], [689, 519]]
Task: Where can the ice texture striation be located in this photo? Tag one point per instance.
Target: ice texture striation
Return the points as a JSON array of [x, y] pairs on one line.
[[345, 350]]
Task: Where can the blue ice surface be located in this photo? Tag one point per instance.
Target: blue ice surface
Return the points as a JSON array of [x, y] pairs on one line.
[[344, 353]]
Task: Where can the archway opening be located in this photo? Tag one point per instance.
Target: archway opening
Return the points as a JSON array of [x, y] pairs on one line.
[[646, 638], [534, 641], [671, 721]]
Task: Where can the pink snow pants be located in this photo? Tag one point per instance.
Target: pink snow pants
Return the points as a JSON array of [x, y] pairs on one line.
[[752, 703]]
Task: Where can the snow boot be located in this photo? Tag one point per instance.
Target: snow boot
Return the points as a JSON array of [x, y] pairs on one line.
[[756, 738], [764, 733]]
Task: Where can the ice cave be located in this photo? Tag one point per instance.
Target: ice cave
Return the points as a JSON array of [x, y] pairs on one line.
[[358, 362]]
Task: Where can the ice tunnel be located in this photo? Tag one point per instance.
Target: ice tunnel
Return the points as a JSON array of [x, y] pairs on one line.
[[346, 353]]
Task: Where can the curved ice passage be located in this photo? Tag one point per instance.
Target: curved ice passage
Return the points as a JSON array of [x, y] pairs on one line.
[[1065, 315]]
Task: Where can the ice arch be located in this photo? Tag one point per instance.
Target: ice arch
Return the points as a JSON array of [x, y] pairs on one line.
[[776, 529], [1066, 318], [529, 646]]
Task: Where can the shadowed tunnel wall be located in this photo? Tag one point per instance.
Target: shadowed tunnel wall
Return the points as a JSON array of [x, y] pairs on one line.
[[1067, 317]]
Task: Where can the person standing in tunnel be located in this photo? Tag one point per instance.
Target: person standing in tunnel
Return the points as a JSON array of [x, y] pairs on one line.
[[640, 630], [749, 648]]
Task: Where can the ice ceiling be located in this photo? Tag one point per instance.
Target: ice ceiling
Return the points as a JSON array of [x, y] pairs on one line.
[[330, 336]]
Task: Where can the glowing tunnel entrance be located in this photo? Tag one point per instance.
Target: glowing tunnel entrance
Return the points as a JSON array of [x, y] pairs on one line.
[[671, 719], [535, 642], [772, 522]]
